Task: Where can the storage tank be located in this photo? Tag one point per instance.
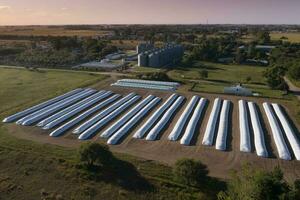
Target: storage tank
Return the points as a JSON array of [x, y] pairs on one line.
[[154, 60], [142, 60]]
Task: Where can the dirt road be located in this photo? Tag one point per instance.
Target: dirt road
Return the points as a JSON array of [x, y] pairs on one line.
[[294, 89]]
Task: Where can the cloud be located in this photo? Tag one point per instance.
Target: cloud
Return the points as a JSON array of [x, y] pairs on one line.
[[4, 8]]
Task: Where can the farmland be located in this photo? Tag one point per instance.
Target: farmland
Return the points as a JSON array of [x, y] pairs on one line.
[[145, 164], [24, 161], [52, 31], [290, 37]]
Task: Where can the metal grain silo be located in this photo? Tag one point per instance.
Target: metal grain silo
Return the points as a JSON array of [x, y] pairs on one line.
[[142, 60], [154, 60]]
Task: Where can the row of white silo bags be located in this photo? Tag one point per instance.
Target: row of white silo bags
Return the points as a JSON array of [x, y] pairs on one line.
[[154, 118], [68, 109], [212, 123], [77, 110], [182, 121], [191, 127], [172, 84], [144, 86], [113, 128], [290, 134], [57, 132], [164, 120], [259, 141], [102, 114], [281, 146], [132, 122], [20, 121], [245, 141], [222, 134], [54, 109], [30, 110], [100, 124]]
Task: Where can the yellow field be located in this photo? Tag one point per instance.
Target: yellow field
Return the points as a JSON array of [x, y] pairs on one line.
[[45, 31], [292, 37]]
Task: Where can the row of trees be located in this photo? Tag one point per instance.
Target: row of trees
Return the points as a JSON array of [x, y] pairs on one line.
[[57, 52], [211, 49], [284, 60]]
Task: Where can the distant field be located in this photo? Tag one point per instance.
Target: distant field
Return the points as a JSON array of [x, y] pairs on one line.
[[20, 87], [125, 44], [292, 37], [45, 31], [247, 38], [10, 43]]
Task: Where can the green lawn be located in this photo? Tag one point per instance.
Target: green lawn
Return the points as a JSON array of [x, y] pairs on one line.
[[220, 76], [221, 73], [29, 170], [21, 87]]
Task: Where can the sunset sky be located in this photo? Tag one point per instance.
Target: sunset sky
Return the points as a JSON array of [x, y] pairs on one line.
[[27, 12]]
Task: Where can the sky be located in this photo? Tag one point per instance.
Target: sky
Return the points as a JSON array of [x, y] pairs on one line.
[[56, 12]]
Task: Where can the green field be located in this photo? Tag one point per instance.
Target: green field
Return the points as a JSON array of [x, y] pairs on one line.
[[30, 170], [20, 87], [220, 76]]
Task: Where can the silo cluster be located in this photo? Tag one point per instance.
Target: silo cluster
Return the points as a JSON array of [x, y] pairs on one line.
[[169, 54]]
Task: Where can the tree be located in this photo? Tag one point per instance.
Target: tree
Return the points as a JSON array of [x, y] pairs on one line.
[[190, 172], [294, 71], [274, 76], [240, 56], [187, 60], [157, 76], [263, 37], [203, 74], [95, 154], [252, 184], [248, 79]]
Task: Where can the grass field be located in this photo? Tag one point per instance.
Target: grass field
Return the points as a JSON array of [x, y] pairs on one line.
[[291, 37], [20, 87], [220, 76], [30, 170]]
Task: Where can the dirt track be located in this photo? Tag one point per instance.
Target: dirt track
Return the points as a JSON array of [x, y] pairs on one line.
[[219, 163]]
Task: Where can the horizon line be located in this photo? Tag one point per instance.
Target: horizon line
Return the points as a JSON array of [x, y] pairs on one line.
[[153, 24]]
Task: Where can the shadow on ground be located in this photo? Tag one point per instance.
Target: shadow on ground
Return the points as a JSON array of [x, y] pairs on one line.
[[120, 173]]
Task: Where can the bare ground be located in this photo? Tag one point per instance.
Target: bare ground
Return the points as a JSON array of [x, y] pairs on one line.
[[219, 163]]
